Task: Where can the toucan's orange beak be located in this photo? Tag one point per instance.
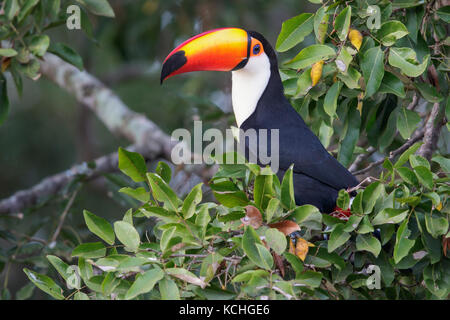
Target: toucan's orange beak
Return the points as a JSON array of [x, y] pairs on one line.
[[224, 49]]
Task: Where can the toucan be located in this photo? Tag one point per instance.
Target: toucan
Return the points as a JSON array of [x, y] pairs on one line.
[[259, 103]]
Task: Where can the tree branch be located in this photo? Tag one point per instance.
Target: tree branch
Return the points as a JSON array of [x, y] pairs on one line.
[[416, 137], [147, 138], [432, 130]]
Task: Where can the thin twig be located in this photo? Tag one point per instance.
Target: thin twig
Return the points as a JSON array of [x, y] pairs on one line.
[[63, 216], [416, 137], [361, 158], [432, 130]]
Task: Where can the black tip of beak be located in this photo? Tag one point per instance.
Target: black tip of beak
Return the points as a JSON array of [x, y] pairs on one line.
[[175, 62]]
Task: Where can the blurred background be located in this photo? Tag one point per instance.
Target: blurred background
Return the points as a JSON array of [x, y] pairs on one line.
[[47, 131]]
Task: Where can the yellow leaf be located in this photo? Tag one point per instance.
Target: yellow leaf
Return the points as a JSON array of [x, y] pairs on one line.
[[439, 206], [360, 102], [355, 38], [316, 72], [5, 64], [301, 248]]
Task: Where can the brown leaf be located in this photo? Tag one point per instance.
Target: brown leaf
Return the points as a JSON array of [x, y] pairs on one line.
[[286, 226], [445, 244], [178, 246], [252, 217], [6, 61], [278, 262]]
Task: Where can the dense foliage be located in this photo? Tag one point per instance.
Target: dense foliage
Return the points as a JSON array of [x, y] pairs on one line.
[[360, 86]]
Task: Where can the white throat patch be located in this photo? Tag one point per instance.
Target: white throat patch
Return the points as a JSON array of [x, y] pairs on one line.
[[248, 84]]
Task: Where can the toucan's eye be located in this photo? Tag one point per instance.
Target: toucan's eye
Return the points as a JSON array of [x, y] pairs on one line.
[[256, 49]]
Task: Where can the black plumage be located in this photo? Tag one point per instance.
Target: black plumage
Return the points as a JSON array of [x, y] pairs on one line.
[[318, 176]]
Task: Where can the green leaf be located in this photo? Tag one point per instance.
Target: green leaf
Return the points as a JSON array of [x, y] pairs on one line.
[[98, 7], [416, 160], [276, 240], [356, 206], [203, 217], [25, 292], [429, 92], [370, 195], [26, 8], [405, 59], [390, 215], [60, 266], [365, 226], [436, 223], [31, 69], [80, 296], [444, 13], [165, 237], [310, 55], [109, 284], [405, 155], [392, 84], [192, 200], [232, 199], [330, 102], [210, 265], [4, 101], [168, 289], [186, 275], [295, 262], [397, 4], [408, 176], [139, 193], [132, 164], [45, 283], [321, 24], [246, 276], [89, 250], [162, 192], [255, 251], [39, 45], [372, 66], [351, 78], [443, 162], [308, 216], [294, 31], [85, 268], [304, 83], [144, 283], [425, 176], [343, 199], [350, 137], [164, 171], [310, 278], [99, 226], [407, 121], [272, 209], [343, 60], [262, 190], [11, 8], [402, 243], [8, 52], [342, 23], [127, 234], [337, 237], [67, 54], [287, 190], [391, 31], [368, 243]]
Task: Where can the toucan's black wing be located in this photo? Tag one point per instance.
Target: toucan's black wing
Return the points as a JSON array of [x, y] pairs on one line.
[[297, 144]]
